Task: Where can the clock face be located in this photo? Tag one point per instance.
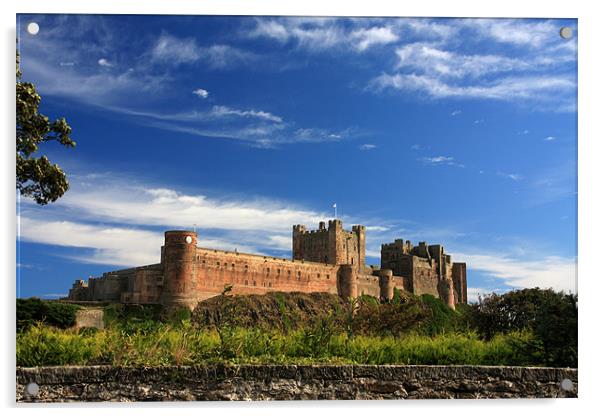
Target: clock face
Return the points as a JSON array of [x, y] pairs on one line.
[[188, 239]]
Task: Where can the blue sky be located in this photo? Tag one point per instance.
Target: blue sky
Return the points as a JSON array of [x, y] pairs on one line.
[[453, 131]]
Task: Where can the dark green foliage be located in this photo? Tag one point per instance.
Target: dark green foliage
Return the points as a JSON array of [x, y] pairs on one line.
[[274, 310], [134, 318], [551, 316], [37, 177], [404, 314], [441, 319], [33, 310]]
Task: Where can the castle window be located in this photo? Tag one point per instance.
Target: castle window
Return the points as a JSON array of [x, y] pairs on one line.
[[318, 275], [278, 271], [246, 268], [218, 264], [328, 276], [268, 270], [254, 283], [270, 284], [232, 266], [246, 283]]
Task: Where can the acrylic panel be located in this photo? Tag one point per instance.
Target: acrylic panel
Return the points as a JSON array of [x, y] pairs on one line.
[[295, 208]]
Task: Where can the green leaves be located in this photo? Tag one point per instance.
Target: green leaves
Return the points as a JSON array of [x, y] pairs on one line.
[[36, 176]]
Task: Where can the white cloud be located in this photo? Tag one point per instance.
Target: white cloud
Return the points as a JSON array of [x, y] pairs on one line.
[[366, 38], [225, 56], [517, 31], [432, 60], [172, 50], [367, 146], [513, 176], [523, 132], [271, 29], [200, 92], [549, 138], [175, 50], [144, 205], [456, 112], [441, 160], [321, 34], [508, 89], [111, 245], [377, 228], [104, 62], [116, 220], [554, 272], [437, 159], [223, 111]]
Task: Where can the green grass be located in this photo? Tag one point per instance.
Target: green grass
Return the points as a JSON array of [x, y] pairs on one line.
[[166, 344]]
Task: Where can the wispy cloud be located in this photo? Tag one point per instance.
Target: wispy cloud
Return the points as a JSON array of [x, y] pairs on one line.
[[173, 50], [319, 35], [456, 112], [510, 88], [554, 272], [538, 70], [115, 220], [224, 111], [367, 146], [441, 160], [512, 176], [549, 138], [366, 38]]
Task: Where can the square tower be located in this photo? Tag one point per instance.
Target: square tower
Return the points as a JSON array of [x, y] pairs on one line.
[[331, 245]]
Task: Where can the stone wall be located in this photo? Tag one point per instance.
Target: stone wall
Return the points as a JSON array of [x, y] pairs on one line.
[[290, 382]]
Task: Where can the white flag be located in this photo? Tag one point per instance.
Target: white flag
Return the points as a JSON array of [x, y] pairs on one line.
[[334, 205]]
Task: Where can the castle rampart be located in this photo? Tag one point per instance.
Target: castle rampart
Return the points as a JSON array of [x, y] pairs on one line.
[[329, 259]]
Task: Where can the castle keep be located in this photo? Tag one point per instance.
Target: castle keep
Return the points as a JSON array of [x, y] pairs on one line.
[[329, 259]]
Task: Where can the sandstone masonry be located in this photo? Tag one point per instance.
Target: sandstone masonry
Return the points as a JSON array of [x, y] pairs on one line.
[[329, 259], [291, 382]]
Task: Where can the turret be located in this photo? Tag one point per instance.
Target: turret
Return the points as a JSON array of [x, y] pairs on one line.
[[347, 281], [387, 285], [446, 292], [179, 284], [360, 232]]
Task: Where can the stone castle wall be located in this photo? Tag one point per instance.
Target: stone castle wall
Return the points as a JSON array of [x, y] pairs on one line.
[[292, 382], [322, 259]]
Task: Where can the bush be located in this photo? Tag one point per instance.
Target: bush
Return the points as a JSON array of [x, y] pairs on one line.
[[404, 314], [551, 316], [33, 310]]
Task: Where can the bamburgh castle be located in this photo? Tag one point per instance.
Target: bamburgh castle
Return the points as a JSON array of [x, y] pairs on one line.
[[329, 259]]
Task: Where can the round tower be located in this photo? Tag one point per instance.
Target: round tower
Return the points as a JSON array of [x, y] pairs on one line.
[[179, 282], [446, 292], [386, 283], [347, 281]]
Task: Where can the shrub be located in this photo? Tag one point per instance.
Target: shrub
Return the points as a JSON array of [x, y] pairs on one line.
[[550, 315], [33, 310]]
